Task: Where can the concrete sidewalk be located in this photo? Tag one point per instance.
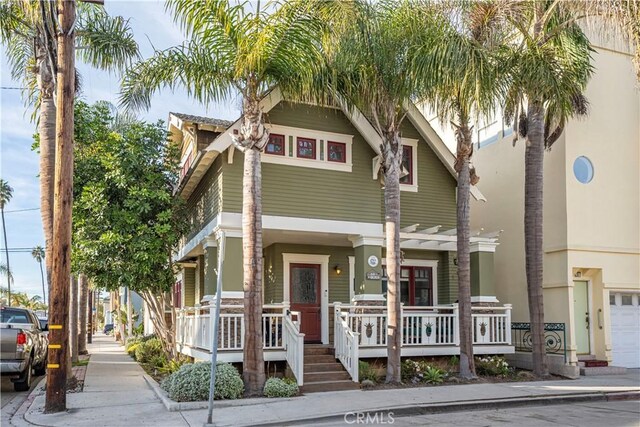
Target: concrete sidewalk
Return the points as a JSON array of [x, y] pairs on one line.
[[115, 394]]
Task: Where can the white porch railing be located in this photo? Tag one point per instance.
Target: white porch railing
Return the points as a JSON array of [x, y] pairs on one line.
[[279, 331], [294, 344], [346, 343], [428, 326]]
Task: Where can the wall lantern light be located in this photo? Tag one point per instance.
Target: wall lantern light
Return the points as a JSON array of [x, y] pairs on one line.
[[337, 269]]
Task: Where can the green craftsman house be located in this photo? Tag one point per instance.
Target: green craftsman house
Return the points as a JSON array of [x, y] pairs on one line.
[[323, 239]]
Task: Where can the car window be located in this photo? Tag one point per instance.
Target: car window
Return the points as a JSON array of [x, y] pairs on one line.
[[9, 315], [43, 323]]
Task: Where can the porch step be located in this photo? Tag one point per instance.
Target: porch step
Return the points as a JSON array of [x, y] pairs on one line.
[[584, 357], [603, 370], [317, 349], [319, 358], [318, 386], [312, 377], [332, 366]]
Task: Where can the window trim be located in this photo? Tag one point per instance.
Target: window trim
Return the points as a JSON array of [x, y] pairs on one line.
[[408, 149], [344, 151], [421, 263], [284, 143]]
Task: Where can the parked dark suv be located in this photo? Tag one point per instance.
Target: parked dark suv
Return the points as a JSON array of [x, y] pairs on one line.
[[108, 328]]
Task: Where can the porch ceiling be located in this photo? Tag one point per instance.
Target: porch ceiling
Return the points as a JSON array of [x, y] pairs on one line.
[[270, 237]]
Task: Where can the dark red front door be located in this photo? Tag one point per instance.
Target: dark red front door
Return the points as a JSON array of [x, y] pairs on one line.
[[305, 298]]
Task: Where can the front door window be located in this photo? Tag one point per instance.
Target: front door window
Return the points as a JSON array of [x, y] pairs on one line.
[[416, 285], [305, 298]]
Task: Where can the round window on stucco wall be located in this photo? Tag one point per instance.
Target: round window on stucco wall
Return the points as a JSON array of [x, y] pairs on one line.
[[583, 169]]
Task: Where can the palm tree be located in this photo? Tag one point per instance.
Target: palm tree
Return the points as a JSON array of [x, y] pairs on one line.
[[234, 50], [38, 254], [374, 70], [28, 30], [469, 89], [5, 291], [550, 68], [6, 194]]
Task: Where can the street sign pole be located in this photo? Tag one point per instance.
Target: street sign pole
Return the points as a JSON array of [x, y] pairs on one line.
[[216, 322]]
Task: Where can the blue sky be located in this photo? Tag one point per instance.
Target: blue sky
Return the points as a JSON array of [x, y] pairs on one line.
[[19, 165]]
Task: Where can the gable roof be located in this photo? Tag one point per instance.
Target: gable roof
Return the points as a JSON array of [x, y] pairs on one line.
[[359, 121]]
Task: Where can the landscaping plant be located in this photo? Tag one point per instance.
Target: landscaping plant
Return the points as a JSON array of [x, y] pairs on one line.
[[494, 366], [281, 387], [191, 382], [367, 372]]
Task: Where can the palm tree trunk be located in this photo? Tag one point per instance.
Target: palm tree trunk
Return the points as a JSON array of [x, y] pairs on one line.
[[253, 367], [129, 314], [6, 252], [47, 136], [392, 155], [467, 365], [533, 232], [82, 318]]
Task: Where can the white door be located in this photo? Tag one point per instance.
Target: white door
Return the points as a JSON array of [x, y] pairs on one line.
[[625, 329]]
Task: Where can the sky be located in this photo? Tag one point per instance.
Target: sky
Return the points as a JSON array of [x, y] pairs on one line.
[[152, 27]]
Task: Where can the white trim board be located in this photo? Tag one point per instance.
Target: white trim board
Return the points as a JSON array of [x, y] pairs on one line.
[[323, 260]]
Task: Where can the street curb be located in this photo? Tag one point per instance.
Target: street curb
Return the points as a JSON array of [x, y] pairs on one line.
[[473, 405], [19, 418]]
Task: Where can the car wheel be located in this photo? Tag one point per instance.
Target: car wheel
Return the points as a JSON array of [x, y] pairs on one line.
[[25, 383], [41, 369]]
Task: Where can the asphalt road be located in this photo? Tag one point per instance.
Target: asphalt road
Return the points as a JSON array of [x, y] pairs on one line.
[[592, 414], [11, 400]]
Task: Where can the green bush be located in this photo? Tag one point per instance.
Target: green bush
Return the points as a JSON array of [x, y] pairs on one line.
[[173, 365], [191, 382], [420, 371], [494, 366], [367, 372], [278, 387], [148, 350]]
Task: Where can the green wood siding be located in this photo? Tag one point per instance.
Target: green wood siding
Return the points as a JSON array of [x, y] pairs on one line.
[[435, 201], [189, 287], [204, 203], [274, 269], [306, 192]]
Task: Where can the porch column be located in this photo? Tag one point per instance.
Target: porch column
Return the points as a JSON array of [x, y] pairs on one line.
[[199, 288], [232, 272], [482, 275], [368, 271]]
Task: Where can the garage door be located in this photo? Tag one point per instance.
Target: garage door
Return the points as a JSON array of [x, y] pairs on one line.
[[625, 329]]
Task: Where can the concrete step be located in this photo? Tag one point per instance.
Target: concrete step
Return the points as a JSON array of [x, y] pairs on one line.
[[311, 377], [310, 350], [319, 358], [322, 367], [318, 386], [586, 357], [603, 370]]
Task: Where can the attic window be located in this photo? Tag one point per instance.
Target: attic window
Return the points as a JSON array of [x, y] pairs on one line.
[[337, 152], [306, 148], [275, 144], [407, 165]]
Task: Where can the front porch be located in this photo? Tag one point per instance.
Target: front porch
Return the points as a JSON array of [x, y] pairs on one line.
[[356, 332]]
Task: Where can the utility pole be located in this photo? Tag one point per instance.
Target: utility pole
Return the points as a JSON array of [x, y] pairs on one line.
[[56, 397], [90, 326]]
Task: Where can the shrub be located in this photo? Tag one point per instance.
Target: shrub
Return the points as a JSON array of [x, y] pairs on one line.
[[173, 365], [191, 382], [367, 372], [279, 387], [420, 371], [494, 366], [149, 349]]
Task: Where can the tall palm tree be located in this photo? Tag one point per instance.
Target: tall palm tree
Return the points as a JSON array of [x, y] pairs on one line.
[[5, 291], [236, 50], [550, 67], [374, 71], [469, 87], [38, 254], [6, 194], [28, 29]]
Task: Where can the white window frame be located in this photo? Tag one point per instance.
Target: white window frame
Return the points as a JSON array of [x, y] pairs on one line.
[[323, 260], [316, 163]]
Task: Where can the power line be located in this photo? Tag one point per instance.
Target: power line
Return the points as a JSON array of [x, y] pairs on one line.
[[11, 88], [22, 210]]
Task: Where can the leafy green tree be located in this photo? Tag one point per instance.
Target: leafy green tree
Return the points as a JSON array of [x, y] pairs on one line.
[[28, 30], [235, 49], [126, 221], [550, 65]]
